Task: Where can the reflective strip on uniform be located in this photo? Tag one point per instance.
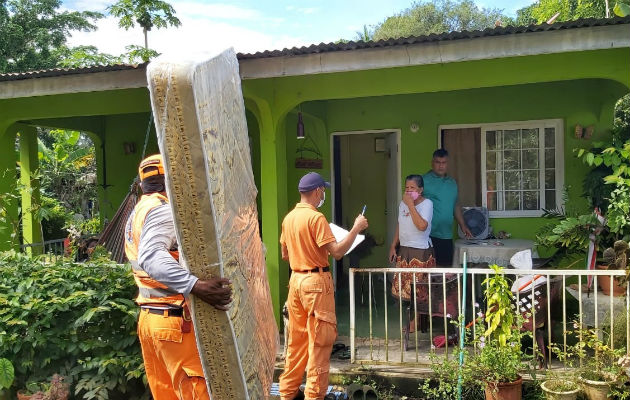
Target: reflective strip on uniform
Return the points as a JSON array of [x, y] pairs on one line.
[[155, 293]]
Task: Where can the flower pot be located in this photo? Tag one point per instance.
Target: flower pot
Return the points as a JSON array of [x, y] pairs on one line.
[[551, 394], [595, 390], [505, 390], [604, 283], [22, 396]]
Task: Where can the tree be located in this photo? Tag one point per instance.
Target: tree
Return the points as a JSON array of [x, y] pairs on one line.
[[544, 10], [85, 56], [146, 13], [439, 16], [89, 56], [568, 10], [366, 34], [68, 168], [33, 30]]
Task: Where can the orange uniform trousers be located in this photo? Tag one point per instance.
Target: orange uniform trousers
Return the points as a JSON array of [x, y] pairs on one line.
[[171, 358], [312, 332]]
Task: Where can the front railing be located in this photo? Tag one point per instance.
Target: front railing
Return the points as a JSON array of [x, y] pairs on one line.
[[53, 250], [443, 292]]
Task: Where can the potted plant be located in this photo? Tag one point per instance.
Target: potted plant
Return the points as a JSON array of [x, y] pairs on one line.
[[560, 388], [443, 385], [563, 384], [615, 258], [606, 187], [612, 195], [602, 369], [500, 358]]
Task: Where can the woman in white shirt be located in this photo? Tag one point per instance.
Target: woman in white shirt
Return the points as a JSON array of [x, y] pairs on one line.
[[416, 251], [414, 223]]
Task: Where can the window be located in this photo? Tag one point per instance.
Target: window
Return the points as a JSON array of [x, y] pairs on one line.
[[521, 167]]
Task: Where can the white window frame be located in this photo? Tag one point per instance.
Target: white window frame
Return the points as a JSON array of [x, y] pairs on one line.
[[557, 124]]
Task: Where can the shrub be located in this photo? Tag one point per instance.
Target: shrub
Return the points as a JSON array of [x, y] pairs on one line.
[[78, 320]]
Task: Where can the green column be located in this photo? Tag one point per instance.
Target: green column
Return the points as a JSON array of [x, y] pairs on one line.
[[8, 197], [273, 193], [31, 201]]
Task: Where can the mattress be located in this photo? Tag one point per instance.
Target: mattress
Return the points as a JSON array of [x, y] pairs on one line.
[[202, 134]]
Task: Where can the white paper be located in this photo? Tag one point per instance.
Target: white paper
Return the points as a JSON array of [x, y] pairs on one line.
[[341, 233]]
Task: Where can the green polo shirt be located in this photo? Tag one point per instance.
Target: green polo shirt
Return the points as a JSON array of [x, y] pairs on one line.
[[442, 191]]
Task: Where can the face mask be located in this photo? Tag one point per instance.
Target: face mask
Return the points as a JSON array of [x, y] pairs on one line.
[[321, 202], [414, 195]]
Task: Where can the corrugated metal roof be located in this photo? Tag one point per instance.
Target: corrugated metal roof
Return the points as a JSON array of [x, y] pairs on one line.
[[330, 47], [44, 73], [499, 31]]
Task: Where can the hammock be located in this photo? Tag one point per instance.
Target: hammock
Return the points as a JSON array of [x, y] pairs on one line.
[[113, 236]]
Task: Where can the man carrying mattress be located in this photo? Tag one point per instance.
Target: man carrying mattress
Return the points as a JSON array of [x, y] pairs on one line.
[[169, 349], [306, 242]]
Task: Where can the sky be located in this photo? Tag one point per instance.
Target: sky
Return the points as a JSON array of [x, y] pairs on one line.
[[248, 26]]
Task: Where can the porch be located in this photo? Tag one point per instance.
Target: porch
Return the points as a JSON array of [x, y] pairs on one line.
[[408, 89], [562, 299], [376, 340]]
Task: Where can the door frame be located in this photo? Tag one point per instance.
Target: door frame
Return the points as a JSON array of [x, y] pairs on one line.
[[396, 132]]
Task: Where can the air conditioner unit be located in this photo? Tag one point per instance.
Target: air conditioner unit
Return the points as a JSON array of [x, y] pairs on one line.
[[478, 221]]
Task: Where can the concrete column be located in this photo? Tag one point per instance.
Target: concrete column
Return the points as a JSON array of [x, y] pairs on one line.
[[29, 184], [273, 194], [8, 197]]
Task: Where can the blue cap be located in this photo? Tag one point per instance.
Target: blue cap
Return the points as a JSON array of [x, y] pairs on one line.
[[312, 181]]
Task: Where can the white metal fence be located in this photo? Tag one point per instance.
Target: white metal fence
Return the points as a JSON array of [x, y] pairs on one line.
[[593, 308]]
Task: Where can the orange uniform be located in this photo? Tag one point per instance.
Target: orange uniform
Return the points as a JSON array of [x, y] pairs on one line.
[[311, 303], [169, 349]]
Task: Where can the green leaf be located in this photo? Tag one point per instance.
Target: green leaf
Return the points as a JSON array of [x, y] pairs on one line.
[[622, 9], [7, 373]]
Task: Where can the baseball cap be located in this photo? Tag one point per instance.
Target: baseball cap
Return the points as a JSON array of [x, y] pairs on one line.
[[312, 181], [151, 166]]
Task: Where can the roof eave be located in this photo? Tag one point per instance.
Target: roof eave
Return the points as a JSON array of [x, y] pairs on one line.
[[75, 83], [437, 52]]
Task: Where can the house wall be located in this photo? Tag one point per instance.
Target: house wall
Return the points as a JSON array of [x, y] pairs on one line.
[[103, 114], [586, 101], [121, 168]]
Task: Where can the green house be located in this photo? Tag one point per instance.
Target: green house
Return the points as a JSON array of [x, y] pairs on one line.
[[505, 102]]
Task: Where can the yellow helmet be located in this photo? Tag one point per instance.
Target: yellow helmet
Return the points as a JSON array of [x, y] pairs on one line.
[[151, 166]]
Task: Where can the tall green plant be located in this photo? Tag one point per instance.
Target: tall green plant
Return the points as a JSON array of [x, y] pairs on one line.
[[68, 171], [500, 358], [499, 316]]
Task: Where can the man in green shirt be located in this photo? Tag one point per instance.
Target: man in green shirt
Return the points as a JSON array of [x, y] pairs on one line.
[[442, 191]]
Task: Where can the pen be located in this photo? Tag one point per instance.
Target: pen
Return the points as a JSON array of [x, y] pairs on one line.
[[364, 207]]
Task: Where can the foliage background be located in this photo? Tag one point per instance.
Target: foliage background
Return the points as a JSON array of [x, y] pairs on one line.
[[74, 319]]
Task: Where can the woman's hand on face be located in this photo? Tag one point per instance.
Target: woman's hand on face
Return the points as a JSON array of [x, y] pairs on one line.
[[408, 200], [392, 254]]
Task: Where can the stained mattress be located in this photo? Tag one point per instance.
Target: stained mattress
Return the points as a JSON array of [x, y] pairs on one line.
[[202, 133]]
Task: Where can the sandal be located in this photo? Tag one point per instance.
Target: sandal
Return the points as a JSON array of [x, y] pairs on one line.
[[337, 347], [344, 354]]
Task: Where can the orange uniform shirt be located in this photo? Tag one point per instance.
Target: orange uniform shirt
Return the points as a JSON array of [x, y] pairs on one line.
[[304, 232]]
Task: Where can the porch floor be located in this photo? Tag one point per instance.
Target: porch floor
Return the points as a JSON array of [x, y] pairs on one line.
[[406, 376]]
